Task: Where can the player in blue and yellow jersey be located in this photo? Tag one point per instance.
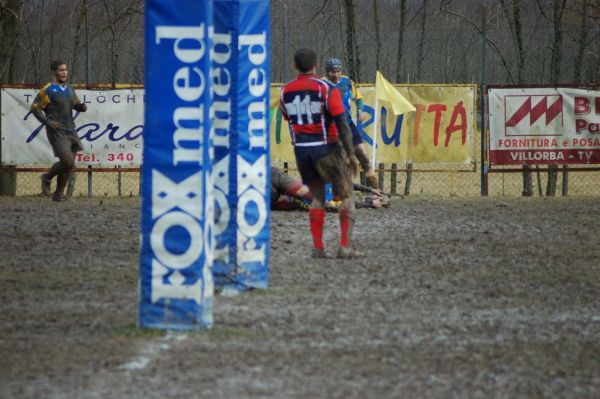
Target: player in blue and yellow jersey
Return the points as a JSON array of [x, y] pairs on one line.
[[349, 93], [323, 148], [53, 106]]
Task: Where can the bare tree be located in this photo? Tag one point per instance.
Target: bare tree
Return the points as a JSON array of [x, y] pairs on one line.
[[504, 60], [583, 40], [79, 15], [377, 36], [512, 14], [351, 41], [422, 41], [10, 20], [118, 18], [401, 33], [558, 10]]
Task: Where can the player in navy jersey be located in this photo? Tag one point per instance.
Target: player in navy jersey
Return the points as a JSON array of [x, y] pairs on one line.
[[349, 92], [53, 107], [323, 148]]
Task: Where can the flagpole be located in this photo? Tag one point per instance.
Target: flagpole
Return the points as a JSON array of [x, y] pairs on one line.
[[375, 131]]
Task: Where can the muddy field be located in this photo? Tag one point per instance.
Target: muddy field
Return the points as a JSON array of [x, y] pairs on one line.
[[472, 298]]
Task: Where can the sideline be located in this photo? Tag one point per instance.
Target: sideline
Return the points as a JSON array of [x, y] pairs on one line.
[[151, 351]]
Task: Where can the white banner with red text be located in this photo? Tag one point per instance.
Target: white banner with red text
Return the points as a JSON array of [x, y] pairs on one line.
[[544, 126]]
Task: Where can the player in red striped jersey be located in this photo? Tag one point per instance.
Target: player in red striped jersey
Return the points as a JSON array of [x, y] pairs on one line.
[[323, 148]]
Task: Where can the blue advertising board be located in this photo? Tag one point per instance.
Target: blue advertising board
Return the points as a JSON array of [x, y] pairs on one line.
[[176, 286], [240, 136]]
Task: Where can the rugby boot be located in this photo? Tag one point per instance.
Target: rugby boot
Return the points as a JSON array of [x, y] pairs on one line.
[[348, 253], [59, 197], [46, 190], [372, 182], [319, 253]]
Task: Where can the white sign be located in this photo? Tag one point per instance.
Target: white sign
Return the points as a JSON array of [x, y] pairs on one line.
[[110, 131], [544, 126]]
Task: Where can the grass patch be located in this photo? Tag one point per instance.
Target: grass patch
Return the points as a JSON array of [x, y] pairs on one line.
[[217, 332], [132, 330], [279, 291]]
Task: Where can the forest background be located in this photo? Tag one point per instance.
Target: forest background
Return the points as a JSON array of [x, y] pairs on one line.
[[410, 41]]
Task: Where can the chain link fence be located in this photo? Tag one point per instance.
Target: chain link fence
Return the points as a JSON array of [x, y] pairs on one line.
[[428, 180], [400, 180], [92, 182]]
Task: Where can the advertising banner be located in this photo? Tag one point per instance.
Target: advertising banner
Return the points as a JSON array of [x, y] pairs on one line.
[[110, 131], [440, 131], [240, 134], [176, 286], [544, 126]]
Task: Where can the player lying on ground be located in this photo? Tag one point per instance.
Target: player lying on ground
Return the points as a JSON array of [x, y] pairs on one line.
[[288, 194]]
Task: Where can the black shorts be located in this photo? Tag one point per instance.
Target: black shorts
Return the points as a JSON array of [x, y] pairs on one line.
[[63, 141], [324, 164]]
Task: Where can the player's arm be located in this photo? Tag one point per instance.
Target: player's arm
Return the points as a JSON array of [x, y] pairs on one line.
[[282, 105], [358, 101], [39, 104], [336, 109], [341, 122], [77, 104], [367, 189]]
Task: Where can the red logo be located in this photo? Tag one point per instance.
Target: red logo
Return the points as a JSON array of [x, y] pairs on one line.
[[544, 111], [536, 111]]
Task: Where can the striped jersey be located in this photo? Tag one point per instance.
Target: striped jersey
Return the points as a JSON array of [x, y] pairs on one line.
[[57, 102], [309, 104]]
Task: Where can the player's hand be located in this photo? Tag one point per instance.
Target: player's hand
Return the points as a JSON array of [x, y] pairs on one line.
[[54, 125], [353, 164], [362, 116], [81, 107]]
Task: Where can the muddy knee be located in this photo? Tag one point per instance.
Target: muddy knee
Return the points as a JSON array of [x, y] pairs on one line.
[[67, 161]]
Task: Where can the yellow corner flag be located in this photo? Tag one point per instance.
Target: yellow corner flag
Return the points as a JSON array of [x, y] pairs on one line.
[[384, 91]]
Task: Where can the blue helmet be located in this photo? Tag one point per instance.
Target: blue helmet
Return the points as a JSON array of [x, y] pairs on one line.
[[333, 63]]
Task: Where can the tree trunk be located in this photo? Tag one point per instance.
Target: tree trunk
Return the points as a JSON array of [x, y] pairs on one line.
[[377, 36], [513, 16], [552, 177], [581, 41], [527, 181], [422, 40], [77, 40], [342, 30], [10, 15], [565, 181], [351, 42], [558, 12], [114, 44], [401, 30], [408, 182]]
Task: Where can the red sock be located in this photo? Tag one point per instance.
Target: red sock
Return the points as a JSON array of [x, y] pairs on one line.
[[344, 224], [317, 219]]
